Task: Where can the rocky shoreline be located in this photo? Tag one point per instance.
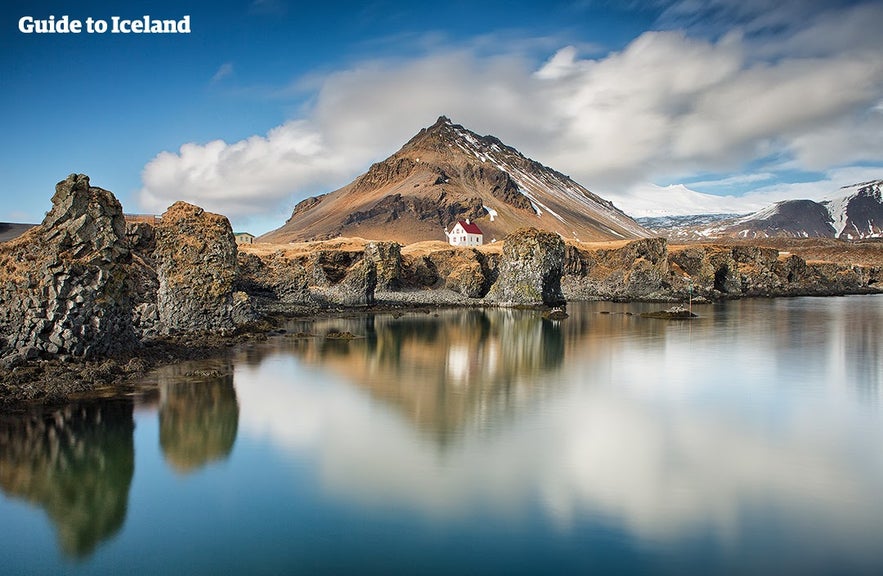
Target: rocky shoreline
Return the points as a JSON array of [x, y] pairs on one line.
[[89, 302]]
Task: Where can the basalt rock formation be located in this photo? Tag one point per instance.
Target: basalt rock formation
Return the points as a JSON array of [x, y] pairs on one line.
[[651, 270], [84, 285], [65, 286], [530, 270], [196, 267]]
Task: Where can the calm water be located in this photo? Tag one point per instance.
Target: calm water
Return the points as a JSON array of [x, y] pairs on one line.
[[477, 442]]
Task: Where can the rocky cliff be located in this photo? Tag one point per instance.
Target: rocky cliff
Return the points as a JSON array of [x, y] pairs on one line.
[[83, 285], [651, 270]]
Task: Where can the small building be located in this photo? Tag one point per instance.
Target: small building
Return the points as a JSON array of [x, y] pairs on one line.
[[243, 237], [465, 233]]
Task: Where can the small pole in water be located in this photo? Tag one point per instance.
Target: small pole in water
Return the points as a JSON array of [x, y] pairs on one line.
[[690, 290]]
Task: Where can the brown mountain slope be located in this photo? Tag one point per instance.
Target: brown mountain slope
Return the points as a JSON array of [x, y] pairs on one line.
[[446, 173]]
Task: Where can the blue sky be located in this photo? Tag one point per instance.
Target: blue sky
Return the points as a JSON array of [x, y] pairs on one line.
[[266, 102]]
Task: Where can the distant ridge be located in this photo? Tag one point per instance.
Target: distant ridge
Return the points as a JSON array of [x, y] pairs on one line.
[[854, 212], [446, 173], [10, 231]]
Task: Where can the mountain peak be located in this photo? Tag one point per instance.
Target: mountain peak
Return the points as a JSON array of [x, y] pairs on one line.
[[445, 173]]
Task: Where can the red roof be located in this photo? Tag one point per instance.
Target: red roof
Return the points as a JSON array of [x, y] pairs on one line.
[[470, 228]]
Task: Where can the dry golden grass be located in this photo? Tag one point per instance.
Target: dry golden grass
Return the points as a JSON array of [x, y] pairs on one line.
[[295, 249], [601, 245]]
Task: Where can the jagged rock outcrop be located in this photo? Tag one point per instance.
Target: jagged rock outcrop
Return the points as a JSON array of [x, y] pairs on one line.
[[273, 276], [387, 258], [637, 270], [196, 268], [648, 270], [530, 269], [466, 271], [337, 273], [65, 288], [357, 287]]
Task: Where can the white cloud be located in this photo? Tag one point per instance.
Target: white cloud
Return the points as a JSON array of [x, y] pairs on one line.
[[243, 177], [667, 106]]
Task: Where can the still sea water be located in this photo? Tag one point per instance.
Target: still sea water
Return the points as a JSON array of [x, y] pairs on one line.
[[747, 441]]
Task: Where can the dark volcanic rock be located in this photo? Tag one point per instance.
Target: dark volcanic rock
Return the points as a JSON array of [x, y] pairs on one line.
[[196, 267], [638, 270], [530, 270], [357, 287], [64, 284], [387, 258], [273, 276]]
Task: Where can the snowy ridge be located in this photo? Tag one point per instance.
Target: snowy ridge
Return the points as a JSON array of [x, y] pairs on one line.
[[540, 185], [858, 214]]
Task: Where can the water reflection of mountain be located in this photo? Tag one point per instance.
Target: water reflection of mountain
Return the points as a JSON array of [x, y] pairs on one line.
[[76, 463], [464, 366], [198, 416]]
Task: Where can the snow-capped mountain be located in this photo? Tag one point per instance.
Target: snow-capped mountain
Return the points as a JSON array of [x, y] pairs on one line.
[[446, 173], [854, 212], [859, 212]]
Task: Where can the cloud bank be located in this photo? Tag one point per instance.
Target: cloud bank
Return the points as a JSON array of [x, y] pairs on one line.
[[670, 105]]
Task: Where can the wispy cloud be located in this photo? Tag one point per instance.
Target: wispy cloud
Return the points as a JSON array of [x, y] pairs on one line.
[[669, 105], [224, 71]]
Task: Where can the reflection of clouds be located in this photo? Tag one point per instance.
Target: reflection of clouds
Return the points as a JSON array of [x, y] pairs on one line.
[[596, 450], [668, 437], [670, 472]]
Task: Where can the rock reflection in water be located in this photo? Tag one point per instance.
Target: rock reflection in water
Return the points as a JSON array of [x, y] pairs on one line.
[[463, 367], [198, 416], [76, 463]]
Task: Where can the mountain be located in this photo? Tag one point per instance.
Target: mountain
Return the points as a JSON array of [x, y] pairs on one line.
[[854, 212], [858, 213], [446, 173], [788, 219]]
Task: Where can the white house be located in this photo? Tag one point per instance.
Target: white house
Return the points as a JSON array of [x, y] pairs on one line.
[[465, 233]]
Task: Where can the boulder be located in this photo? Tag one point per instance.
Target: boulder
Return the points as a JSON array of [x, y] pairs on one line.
[[530, 270], [467, 278], [196, 268]]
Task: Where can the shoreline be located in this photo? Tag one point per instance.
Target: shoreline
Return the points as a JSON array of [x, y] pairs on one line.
[[50, 382], [90, 302]]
